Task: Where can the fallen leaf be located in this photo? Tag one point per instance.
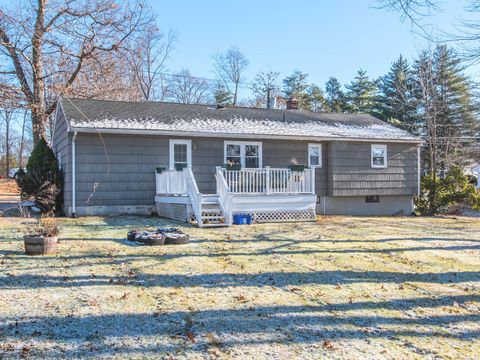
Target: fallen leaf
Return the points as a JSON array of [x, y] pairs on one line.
[[191, 337], [327, 344]]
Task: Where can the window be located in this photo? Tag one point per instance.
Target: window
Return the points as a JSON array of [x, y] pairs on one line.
[[247, 154], [180, 152], [314, 155], [372, 199], [379, 156]]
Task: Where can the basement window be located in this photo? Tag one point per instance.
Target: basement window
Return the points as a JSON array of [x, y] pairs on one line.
[[372, 199]]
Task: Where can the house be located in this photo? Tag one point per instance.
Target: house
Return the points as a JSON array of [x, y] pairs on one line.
[[474, 170], [126, 157]]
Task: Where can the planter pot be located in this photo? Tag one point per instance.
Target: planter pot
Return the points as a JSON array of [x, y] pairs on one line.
[[234, 167], [297, 167], [160, 169], [35, 245], [180, 167]]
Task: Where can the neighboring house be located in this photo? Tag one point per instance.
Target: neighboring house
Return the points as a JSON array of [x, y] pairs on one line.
[[474, 170], [108, 150]]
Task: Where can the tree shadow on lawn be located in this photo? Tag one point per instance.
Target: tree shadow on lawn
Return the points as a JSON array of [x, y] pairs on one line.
[[223, 280], [264, 325]]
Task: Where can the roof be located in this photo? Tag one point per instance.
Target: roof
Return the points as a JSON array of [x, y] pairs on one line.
[[209, 120]]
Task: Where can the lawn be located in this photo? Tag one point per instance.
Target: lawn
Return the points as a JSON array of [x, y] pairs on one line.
[[350, 288]]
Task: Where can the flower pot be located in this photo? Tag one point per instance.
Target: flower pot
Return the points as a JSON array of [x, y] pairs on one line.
[[297, 167], [180, 167], [39, 245], [160, 169], [233, 167]]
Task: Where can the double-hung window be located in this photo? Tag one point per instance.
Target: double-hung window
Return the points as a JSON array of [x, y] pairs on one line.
[[315, 155], [379, 156], [247, 154]]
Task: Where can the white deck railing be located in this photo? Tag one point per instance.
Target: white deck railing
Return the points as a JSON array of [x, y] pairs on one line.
[[171, 182], [269, 181]]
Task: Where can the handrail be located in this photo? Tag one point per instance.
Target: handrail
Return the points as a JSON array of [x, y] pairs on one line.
[[194, 194], [269, 181], [171, 182], [224, 195]]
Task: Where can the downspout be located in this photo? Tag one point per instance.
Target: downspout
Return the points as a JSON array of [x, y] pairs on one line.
[[419, 165], [74, 139]]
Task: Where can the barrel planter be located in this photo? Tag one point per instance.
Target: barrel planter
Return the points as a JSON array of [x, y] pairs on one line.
[[39, 245]]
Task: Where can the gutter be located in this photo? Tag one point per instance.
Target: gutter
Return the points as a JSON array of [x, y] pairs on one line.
[[74, 197], [240, 136]]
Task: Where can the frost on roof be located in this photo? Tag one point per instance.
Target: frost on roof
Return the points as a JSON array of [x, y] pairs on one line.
[[242, 121]]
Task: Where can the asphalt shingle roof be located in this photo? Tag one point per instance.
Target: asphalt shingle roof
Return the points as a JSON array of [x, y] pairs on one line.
[[208, 119]]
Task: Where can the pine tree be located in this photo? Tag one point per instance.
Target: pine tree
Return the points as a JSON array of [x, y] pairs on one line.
[[362, 93], [222, 96], [314, 99], [396, 101], [335, 98], [295, 85], [446, 108]]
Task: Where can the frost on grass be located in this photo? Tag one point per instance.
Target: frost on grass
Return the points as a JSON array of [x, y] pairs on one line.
[[339, 288]]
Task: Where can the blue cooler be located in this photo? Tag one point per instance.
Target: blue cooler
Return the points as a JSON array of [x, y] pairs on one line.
[[242, 219]]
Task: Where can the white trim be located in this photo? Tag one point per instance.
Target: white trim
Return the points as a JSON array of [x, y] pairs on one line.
[[240, 136], [419, 165], [173, 142], [242, 151], [312, 145], [384, 147], [74, 197]]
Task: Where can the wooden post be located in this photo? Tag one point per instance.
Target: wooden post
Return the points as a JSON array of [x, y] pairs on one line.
[[267, 179]]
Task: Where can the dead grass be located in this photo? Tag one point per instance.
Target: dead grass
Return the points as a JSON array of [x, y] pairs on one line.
[[8, 186], [353, 288]]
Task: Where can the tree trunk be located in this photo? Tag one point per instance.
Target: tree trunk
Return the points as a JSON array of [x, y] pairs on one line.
[[7, 146], [22, 142], [38, 109]]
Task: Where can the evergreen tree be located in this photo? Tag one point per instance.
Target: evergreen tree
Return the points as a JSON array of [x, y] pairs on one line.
[[361, 93], [314, 99], [396, 101], [447, 109], [335, 98], [222, 96], [295, 85]]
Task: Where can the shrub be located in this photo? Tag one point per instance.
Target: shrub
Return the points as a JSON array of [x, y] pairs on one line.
[[447, 195], [42, 181], [45, 227]]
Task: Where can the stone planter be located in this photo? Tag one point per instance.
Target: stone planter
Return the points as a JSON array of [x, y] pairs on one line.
[[38, 245]]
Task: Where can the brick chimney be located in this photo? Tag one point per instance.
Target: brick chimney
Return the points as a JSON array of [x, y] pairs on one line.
[[292, 104]]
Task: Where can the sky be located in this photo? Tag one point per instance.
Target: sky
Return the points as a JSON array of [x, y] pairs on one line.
[[322, 38]]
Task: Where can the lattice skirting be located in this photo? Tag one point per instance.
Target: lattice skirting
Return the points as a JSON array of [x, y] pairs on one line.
[[172, 211], [281, 215]]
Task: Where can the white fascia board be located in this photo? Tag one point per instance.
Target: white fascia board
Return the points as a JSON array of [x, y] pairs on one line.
[[238, 136]]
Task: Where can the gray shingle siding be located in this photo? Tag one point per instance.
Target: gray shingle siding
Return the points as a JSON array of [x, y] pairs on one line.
[[351, 173], [61, 144]]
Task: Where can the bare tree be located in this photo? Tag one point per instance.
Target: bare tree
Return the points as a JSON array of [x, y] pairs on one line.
[[38, 38], [147, 58], [188, 89], [230, 68], [105, 77], [266, 87], [412, 10], [11, 100]]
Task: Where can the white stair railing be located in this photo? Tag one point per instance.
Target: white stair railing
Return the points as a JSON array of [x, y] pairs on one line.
[[224, 195], [194, 194]]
